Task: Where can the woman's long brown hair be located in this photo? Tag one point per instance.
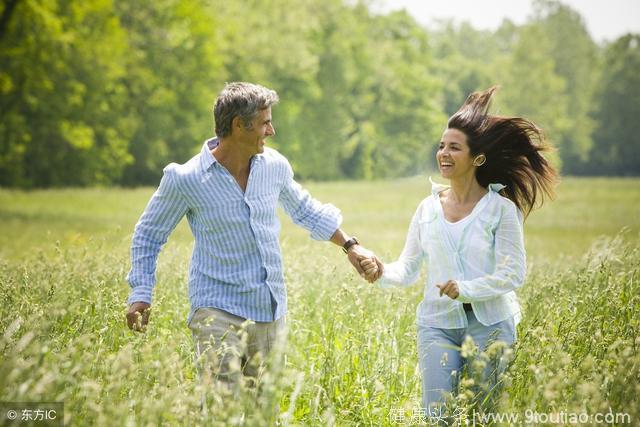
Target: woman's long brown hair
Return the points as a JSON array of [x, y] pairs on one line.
[[512, 146]]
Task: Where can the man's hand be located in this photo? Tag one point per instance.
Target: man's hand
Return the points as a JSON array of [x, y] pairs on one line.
[[138, 316], [449, 289], [373, 269]]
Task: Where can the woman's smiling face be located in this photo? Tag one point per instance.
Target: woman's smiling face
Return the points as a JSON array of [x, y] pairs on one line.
[[454, 156]]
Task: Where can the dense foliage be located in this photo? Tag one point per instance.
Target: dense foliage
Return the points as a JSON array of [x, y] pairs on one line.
[[107, 92]]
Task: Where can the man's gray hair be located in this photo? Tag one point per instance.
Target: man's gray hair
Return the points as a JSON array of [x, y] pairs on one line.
[[243, 100]]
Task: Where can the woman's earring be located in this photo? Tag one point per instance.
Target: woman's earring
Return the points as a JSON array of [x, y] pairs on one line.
[[480, 160]]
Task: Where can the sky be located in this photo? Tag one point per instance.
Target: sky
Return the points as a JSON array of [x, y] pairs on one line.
[[606, 20]]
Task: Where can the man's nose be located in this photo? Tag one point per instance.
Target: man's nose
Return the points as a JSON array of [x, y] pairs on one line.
[[271, 130]]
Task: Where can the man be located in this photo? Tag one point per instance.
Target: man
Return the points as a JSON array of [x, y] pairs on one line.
[[229, 193]]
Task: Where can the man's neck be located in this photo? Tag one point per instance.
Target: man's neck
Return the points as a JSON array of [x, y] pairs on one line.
[[234, 160]]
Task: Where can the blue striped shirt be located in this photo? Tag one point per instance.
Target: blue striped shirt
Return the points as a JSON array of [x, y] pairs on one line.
[[236, 265]]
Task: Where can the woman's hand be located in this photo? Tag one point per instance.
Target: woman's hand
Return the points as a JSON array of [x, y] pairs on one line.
[[449, 289]]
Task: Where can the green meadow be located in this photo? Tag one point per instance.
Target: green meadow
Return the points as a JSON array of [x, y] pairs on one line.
[[350, 357]]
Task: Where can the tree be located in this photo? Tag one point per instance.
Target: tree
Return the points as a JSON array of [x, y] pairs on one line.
[[105, 92], [617, 147], [530, 86], [173, 70], [575, 58], [58, 81], [463, 58], [408, 111]]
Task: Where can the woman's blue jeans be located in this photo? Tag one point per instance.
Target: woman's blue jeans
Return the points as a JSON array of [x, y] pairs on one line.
[[441, 362]]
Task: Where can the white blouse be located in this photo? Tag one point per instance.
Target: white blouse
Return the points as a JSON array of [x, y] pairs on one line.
[[488, 262]]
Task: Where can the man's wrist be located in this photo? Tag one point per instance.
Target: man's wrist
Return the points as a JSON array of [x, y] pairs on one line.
[[351, 243]]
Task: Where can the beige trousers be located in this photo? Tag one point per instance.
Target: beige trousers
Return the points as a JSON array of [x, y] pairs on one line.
[[231, 350]]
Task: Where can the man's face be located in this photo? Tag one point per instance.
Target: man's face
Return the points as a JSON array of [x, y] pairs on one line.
[[254, 139]]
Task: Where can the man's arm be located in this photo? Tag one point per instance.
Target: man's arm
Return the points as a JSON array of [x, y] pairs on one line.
[[160, 217], [323, 221], [357, 254]]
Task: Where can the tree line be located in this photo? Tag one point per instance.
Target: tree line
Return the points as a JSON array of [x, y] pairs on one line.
[[105, 92]]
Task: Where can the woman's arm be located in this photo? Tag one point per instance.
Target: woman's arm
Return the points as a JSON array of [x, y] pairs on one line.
[[406, 269]]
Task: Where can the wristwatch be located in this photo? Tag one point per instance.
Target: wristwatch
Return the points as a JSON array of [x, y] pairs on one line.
[[352, 241]]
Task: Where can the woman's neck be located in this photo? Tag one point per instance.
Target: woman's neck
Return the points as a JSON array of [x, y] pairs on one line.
[[466, 190]]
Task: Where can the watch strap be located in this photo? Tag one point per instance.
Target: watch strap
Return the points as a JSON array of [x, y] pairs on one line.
[[351, 242]]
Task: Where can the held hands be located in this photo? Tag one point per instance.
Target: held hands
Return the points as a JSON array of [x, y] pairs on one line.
[[366, 263], [449, 289], [372, 268], [138, 316]]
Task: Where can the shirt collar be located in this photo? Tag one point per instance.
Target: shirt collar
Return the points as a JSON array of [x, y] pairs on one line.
[[436, 187], [207, 159], [495, 187]]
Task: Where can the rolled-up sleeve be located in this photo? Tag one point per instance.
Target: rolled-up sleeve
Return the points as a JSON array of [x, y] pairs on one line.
[[510, 262], [160, 217], [321, 219]]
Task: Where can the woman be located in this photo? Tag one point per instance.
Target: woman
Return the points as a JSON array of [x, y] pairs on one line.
[[470, 235]]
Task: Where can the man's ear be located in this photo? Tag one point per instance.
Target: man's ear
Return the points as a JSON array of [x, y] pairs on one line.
[[236, 123]]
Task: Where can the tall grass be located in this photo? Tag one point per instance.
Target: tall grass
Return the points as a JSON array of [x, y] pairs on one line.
[[350, 357]]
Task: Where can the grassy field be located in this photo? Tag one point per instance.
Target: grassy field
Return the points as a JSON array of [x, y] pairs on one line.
[[351, 354]]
